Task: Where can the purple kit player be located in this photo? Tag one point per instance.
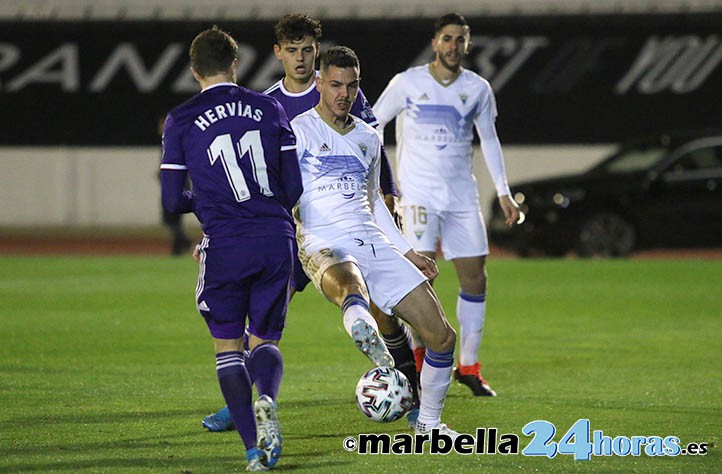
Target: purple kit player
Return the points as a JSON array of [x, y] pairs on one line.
[[297, 47], [239, 150]]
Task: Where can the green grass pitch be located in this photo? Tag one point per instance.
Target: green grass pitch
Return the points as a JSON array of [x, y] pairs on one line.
[[106, 367]]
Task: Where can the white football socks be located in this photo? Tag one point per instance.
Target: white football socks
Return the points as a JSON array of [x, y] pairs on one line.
[[470, 310], [435, 380], [355, 307]]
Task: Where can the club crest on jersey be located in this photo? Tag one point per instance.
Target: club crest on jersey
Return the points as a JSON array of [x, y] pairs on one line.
[[364, 148], [419, 234], [463, 98]]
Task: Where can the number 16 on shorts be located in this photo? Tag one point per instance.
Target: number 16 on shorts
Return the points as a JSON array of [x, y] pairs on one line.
[[580, 442]]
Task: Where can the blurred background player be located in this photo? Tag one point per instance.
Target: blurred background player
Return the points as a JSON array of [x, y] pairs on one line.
[[439, 202], [239, 150], [297, 46], [348, 242]]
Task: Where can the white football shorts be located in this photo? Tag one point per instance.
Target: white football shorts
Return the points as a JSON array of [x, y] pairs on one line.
[[461, 233], [388, 274]]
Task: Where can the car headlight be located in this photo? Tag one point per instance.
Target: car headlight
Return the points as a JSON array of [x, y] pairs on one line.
[[560, 200], [564, 198]]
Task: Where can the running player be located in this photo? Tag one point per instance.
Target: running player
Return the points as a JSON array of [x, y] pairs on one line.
[[239, 150], [440, 104]]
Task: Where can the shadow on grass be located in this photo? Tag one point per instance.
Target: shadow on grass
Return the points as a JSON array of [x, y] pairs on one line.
[[173, 464], [187, 439], [106, 417], [621, 405]]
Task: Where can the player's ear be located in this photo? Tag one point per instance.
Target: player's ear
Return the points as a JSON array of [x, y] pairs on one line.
[[234, 69], [277, 50], [196, 76]]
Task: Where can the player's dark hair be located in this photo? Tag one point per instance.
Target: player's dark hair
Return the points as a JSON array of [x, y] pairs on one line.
[[212, 52], [295, 26], [450, 19], [339, 56]]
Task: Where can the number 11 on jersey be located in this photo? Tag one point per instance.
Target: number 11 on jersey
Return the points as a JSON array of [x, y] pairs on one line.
[[250, 144]]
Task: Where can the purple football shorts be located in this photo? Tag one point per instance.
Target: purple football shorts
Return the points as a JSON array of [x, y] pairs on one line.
[[243, 279]]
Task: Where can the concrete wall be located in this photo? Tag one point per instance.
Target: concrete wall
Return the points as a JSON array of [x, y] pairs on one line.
[[67, 187], [79, 186]]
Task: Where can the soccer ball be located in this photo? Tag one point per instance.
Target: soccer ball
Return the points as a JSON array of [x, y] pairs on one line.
[[384, 394]]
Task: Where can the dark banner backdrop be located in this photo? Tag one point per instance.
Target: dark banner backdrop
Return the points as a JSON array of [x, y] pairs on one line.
[[572, 79]]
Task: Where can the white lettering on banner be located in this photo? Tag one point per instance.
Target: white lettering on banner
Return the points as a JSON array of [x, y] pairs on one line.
[[126, 56], [488, 52], [677, 64], [517, 50], [571, 62], [185, 83], [9, 55], [269, 72], [62, 66], [67, 74], [246, 58]]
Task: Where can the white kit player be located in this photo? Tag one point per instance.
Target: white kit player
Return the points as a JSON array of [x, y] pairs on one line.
[[348, 243], [437, 106]]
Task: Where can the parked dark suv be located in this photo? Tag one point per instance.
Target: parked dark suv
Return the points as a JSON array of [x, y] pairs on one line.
[[664, 191]]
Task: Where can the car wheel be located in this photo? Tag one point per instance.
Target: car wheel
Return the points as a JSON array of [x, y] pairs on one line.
[[606, 234]]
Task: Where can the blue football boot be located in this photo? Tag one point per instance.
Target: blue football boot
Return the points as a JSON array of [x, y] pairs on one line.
[[220, 421]]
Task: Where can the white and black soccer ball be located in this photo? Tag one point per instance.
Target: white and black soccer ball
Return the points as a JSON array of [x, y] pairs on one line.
[[384, 394]]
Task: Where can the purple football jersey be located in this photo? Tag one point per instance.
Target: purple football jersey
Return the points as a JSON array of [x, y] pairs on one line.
[[240, 152], [296, 103]]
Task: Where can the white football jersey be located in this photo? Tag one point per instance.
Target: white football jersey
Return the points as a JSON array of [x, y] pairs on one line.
[[340, 181], [434, 133]]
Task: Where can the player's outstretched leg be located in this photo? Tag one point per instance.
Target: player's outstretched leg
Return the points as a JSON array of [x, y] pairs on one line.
[[343, 284], [363, 330], [270, 440]]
